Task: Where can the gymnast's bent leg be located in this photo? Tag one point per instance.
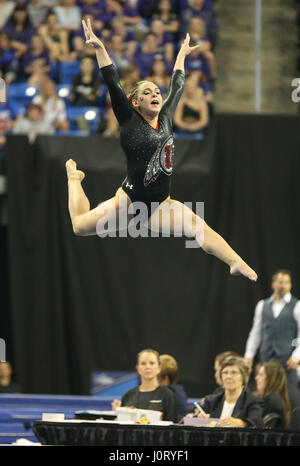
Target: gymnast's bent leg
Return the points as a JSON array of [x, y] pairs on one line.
[[179, 218], [88, 222]]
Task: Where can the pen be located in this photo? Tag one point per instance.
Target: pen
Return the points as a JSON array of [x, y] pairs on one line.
[[199, 408]]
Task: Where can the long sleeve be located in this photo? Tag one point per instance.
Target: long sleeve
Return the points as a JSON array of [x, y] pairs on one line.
[[254, 338], [169, 407], [252, 413], [174, 93], [296, 352], [120, 103]]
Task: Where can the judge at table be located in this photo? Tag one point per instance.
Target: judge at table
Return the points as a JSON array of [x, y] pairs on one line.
[[235, 407], [149, 394]]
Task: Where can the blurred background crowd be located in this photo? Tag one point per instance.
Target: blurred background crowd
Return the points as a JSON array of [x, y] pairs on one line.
[[52, 77]]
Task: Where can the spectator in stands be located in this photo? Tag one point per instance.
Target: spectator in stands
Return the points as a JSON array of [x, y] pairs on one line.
[[37, 53], [32, 123], [235, 407], [7, 385], [19, 27], [39, 74], [196, 8], [56, 39], [168, 377], [128, 37], [198, 62], [191, 115], [144, 58], [93, 8], [85, 86], [6, 9], [197, 31], [116, 8], [159, 75], [168, 18], [53, 106], [207, 88], [68, 15], [9, 54], [37, 12], [116, 52], [165, 44], [146, 8], [109, 127], [131, 76], [272, 388], [149, 394]]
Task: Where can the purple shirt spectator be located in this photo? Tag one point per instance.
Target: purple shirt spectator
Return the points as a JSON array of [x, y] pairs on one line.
[[130, 36], [198, 62], [6, 57], [23, 35], [111, 12], [92, 7], [146, 8], [29, 57], [207, 15], [19, 26], [207, 4], [144, 62]]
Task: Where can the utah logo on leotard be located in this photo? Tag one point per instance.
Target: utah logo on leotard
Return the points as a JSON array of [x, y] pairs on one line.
[[161, 161]]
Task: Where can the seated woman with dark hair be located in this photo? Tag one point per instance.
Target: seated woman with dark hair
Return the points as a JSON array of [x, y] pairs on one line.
[[149, 394], [272, 388], [85, 86], [191, 114], [235, 407]]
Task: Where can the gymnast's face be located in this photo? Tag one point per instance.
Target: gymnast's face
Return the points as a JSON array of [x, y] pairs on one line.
[[149, 99], [148, 366]]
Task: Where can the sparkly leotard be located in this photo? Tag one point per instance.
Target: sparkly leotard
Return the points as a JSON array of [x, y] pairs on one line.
[[149, 152]]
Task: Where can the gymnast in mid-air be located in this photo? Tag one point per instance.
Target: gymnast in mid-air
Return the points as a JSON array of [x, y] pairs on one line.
[[146, 137]]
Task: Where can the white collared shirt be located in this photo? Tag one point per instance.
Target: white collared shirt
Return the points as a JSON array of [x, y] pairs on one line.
[[254, 338]]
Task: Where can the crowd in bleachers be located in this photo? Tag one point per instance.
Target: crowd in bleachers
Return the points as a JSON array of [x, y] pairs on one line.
[[46, 63]]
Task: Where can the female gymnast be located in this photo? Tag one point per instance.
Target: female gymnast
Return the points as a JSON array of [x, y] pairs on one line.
[[147, 140]]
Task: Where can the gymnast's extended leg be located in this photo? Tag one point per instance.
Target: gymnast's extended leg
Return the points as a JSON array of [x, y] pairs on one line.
[[88, 222], [177, 217]]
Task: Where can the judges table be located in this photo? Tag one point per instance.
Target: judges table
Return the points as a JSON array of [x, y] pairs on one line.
[[95, 433]]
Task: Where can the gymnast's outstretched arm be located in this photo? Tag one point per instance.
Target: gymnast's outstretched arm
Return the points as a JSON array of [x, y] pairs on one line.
[[120, 103], [178, 78]]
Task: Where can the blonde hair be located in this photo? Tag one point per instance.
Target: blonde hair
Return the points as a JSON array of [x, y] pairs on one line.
[[169, 367], [44, 98]]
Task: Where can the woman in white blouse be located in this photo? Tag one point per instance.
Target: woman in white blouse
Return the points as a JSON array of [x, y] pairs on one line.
[[53, 106], [235, 407]]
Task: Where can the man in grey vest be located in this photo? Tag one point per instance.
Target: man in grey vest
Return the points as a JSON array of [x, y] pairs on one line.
[[276, 328]]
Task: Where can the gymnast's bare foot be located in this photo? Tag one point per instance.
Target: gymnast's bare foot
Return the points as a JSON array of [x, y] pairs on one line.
[[72, 172], [241, 268]]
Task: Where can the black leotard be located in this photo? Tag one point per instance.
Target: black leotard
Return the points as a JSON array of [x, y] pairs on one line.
[[149, 152]]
